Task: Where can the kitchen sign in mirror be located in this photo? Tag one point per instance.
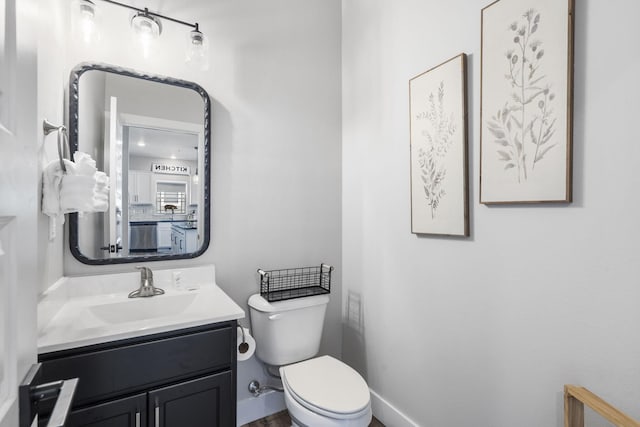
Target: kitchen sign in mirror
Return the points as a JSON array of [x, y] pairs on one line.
[[151, 136]]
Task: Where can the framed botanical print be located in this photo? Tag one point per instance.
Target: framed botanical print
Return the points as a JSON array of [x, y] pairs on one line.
[[526, 101], [439, 163]]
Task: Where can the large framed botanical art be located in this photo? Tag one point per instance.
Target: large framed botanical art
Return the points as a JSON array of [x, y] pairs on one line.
[[439, 163], [526, 101]]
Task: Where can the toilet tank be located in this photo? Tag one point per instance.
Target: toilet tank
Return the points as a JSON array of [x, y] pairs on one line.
[[287, 331]]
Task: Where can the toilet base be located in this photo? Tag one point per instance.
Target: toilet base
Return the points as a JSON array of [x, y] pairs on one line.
[[303, 417]]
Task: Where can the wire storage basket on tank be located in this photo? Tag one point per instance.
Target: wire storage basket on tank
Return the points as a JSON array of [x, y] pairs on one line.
[[289, 283]]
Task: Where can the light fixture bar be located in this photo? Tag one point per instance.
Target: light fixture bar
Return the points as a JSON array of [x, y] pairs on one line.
[[148, 12]]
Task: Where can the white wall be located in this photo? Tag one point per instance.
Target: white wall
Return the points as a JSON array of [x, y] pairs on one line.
[[274, 82], [157, 101], [485, 331]]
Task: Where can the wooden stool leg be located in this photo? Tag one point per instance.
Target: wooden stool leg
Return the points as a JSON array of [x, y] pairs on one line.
[[573, 411]]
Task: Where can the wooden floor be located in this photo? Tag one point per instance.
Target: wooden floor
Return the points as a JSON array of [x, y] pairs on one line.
[[281, 419]]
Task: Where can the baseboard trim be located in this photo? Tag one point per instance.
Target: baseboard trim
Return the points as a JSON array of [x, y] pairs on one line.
[[388, 414], [255, 408]]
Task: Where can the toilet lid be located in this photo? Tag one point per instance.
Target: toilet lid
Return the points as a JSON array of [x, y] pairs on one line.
[[328, 384]]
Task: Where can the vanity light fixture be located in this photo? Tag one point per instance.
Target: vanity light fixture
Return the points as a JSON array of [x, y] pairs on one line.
[[147, 25]]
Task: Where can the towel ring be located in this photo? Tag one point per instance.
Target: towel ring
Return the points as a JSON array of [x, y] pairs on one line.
[[63, 138]]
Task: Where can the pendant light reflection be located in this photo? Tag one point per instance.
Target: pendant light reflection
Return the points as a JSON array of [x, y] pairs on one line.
[[197, 52], [146, 29]]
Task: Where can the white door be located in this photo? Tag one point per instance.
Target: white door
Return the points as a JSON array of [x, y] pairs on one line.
[[22, 263], [113, 152], [8, 339], [15, 308], [19, 207]]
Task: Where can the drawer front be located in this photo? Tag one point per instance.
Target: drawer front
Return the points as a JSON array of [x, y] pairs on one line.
[[130, 368]]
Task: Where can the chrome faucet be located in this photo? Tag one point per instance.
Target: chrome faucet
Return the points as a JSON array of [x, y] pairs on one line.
[[146, 285]]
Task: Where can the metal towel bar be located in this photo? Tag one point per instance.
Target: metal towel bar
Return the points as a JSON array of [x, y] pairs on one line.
[[63, 139]]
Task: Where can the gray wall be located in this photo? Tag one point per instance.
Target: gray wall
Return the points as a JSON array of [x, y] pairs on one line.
[[485, 331]]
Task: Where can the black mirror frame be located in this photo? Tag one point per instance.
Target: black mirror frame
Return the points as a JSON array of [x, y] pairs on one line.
[[74, 80]]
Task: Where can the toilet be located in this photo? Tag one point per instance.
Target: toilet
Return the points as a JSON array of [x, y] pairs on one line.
[[318, 391]]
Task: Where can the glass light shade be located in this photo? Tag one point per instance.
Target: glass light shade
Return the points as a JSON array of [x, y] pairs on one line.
[[146, 29], [197, 50], [85, 22]]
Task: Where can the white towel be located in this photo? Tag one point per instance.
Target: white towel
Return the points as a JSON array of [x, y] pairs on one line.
[[102, 183], [85, 165], [101, 192], [81, 189], [81, 193], [51, 181]]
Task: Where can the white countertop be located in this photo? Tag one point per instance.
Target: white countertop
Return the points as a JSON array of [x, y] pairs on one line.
[[80, 311]]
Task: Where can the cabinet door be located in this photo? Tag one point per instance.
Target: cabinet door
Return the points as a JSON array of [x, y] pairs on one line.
[[174, 240], [127, 412], [164, 235], [178, 242], [203, 402], [133, 191], [140, 187], [146, 194], [191, 240]]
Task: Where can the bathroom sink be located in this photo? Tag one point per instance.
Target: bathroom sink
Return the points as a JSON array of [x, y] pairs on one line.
[[81, 311], [136, 309]]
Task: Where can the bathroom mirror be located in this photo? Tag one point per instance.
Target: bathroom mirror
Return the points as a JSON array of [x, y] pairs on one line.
[[151, 135]]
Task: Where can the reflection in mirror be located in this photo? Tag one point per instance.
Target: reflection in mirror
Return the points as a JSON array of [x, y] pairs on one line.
[[150, 134]]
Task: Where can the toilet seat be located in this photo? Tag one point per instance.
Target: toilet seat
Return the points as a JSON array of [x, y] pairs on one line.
[[328, 387]]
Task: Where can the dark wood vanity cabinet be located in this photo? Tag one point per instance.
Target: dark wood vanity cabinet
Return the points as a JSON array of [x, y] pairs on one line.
[[174, 379]]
